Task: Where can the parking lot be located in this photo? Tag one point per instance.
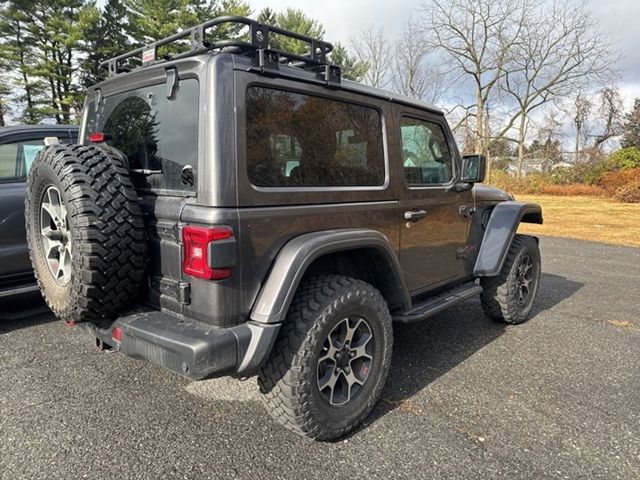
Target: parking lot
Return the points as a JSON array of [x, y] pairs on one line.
[[558, 397]]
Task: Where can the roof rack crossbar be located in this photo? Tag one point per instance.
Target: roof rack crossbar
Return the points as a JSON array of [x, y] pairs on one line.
[[258, 40]]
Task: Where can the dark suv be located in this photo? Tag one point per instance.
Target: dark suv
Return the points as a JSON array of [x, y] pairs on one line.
[[18, 148], [236, 209]]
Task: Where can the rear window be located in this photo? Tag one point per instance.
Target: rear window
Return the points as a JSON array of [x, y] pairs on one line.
[[159, 135], [307, 141]]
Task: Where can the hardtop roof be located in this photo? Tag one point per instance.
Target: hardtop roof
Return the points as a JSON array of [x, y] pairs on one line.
[[244, 63]]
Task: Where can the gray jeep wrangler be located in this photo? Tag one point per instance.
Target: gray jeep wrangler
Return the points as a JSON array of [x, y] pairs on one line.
[[236, 209]]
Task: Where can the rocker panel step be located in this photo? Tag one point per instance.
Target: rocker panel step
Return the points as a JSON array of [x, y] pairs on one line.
[[438, 303]]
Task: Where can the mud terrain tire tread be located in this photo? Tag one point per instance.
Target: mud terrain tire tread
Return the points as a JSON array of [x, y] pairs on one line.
[[284, 379], [107, 230], [498, 296]]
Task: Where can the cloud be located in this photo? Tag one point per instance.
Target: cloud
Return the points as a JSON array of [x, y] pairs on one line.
[[344, 18], [620, 20]]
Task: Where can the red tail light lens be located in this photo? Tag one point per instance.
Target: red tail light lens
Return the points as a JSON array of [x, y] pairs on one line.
[[116, 334], [97, 137], [196, 242]]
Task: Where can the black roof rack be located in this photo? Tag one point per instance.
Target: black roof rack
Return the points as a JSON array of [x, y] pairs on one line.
[[256, 44]]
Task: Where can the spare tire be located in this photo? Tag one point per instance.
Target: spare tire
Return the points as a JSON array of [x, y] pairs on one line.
[[85, 232]]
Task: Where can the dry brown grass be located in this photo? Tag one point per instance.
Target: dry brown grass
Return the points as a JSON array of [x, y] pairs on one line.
[[586, 218]]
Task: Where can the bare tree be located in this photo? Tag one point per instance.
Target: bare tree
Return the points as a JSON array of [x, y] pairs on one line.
[[610, 116], [582, 107], [415, 75], [549, 128], [372, 48], [477, 38], [547, 143], [559, 50]]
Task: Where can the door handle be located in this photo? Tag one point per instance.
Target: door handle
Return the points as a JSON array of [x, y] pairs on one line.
[[414, 215]]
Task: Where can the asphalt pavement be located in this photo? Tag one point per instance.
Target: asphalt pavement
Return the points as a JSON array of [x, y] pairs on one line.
[[557, 397]]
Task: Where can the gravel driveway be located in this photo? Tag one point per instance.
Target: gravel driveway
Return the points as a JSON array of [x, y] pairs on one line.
[[558, 397]]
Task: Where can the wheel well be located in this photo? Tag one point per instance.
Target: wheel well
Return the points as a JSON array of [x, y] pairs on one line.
[[532, 217], [366, 264]]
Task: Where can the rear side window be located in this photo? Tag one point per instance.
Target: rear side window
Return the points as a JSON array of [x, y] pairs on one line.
[[16, 159], [425, 153], [159, 135], [307, 141]]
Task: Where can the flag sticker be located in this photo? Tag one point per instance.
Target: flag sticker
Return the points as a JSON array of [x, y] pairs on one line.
[[148, 55]]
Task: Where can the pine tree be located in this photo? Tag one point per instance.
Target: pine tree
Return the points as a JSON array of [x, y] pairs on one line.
[[296, 21], [352, 69], [267, 16], [56, 30], [5, 91], [105, 37], [230, 7], [631, 129], [16, 58], [152, 20]]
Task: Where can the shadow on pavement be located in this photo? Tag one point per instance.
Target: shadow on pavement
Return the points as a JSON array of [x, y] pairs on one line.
[[425, 351], [23, 311], [553, 290], [422, 351]]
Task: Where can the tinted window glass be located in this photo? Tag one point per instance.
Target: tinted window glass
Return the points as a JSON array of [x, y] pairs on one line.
[[425, 153], [301, 140], [157, 134], [16, 158]]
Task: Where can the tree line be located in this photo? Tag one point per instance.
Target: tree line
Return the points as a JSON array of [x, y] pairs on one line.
[[510, 74], [51, 51]]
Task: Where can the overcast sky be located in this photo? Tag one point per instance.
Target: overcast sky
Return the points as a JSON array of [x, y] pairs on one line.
[[344, 18]]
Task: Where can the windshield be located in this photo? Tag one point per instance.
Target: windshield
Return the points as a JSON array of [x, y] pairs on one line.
[[158, 135]]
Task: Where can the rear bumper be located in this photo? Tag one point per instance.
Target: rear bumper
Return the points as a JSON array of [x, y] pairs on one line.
[[191, 349]]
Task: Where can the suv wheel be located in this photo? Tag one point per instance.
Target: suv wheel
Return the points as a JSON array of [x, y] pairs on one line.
[[85, 232], [332, 357], [509, 297]]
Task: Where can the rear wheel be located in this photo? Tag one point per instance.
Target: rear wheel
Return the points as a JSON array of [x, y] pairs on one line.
[[509, 297], [331, 360], [85, 232]]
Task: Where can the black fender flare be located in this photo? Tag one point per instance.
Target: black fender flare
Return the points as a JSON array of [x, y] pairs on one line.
[[295, 257], [499, 233]]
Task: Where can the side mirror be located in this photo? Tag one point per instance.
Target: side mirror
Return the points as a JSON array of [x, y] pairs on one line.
[[474, 168]]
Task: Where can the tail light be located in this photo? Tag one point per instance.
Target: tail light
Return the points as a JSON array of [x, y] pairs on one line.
[[99, 137], [96, 137], [116, 334], [209, 253]]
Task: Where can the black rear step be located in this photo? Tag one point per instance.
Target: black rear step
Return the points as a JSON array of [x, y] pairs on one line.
[[438, 303], [257, 44]]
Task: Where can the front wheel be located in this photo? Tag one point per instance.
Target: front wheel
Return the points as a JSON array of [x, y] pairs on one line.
[[509, 297], [331, 360]]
